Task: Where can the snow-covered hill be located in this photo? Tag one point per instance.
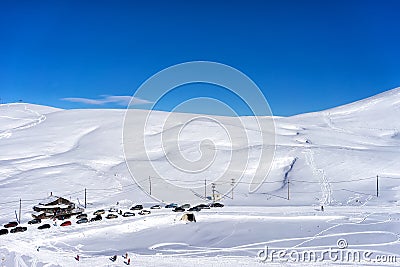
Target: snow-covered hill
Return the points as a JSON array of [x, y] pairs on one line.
[[329, 158]]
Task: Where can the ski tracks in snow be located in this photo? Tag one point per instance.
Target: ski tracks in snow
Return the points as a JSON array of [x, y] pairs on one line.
[[320, 173], [32, 122]]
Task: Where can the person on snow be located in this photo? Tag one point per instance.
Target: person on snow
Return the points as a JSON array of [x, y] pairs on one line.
[[113, 258], [77, 257]]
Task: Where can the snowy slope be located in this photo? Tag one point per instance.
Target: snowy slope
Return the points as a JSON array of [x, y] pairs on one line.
[[330, 158]]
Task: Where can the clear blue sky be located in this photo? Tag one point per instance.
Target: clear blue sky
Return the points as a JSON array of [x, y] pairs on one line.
[[304, 55]]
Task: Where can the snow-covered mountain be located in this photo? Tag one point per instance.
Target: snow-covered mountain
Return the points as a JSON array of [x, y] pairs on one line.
[[330, 158]]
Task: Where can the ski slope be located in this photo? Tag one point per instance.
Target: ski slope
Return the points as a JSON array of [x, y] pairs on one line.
[[328, 158]]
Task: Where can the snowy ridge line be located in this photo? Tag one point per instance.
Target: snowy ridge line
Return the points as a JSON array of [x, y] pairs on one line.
[[239, 182], [292, 180], [337, 182], [340, 189]]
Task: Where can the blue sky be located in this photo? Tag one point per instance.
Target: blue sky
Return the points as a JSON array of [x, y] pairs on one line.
[[304, 55]]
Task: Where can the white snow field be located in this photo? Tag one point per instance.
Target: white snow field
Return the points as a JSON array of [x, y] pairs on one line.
[[330, 158]]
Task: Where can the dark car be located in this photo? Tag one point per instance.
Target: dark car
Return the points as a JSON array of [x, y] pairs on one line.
[[99, 212], [203, 206], [3, 231], [18, 229], [185, 206], [81, 216], [111, 216], [216, 205], [82, 220], [10, 224], [155, 207], [178, 209], [66, 223], [137, 207], [35, 221], [63, 216], [171, 206], [144, 212], [97, 218], [128, 214], [194, 209], [44, 226]]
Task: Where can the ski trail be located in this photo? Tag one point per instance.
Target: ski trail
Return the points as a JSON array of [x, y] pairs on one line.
[[40, 118], [32, 122], [320, 173], [5, 134], [329, 122]]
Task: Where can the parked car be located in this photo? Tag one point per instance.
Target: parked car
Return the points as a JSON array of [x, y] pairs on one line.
[[203, 206], [3, 231], [80, 216], [18, 229], [185, 206], [155, 207], [111, 216], [194, 209], [171, 206], [137, 207], [96, 218], [63, 216], [144, 212], [99, 212], [10, 224], [178, 209], [82, 220], [66, 223], [216, 205], [44, 226], [113, 210], [128, 214], [35, 221]]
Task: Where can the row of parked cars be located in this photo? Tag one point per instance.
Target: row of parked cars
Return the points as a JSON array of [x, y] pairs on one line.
[[197, 208], [112, 214], [181, 208], [14, 226], [18, 229]]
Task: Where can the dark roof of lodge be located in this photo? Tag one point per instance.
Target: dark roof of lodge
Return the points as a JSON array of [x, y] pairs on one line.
[[53, 200]]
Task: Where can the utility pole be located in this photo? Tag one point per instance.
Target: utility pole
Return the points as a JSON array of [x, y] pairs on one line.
[[205, 188], [85, 198], [213, 191], [377, 186], [288, 189], [233, 184], [20, 204], [150, 185]]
